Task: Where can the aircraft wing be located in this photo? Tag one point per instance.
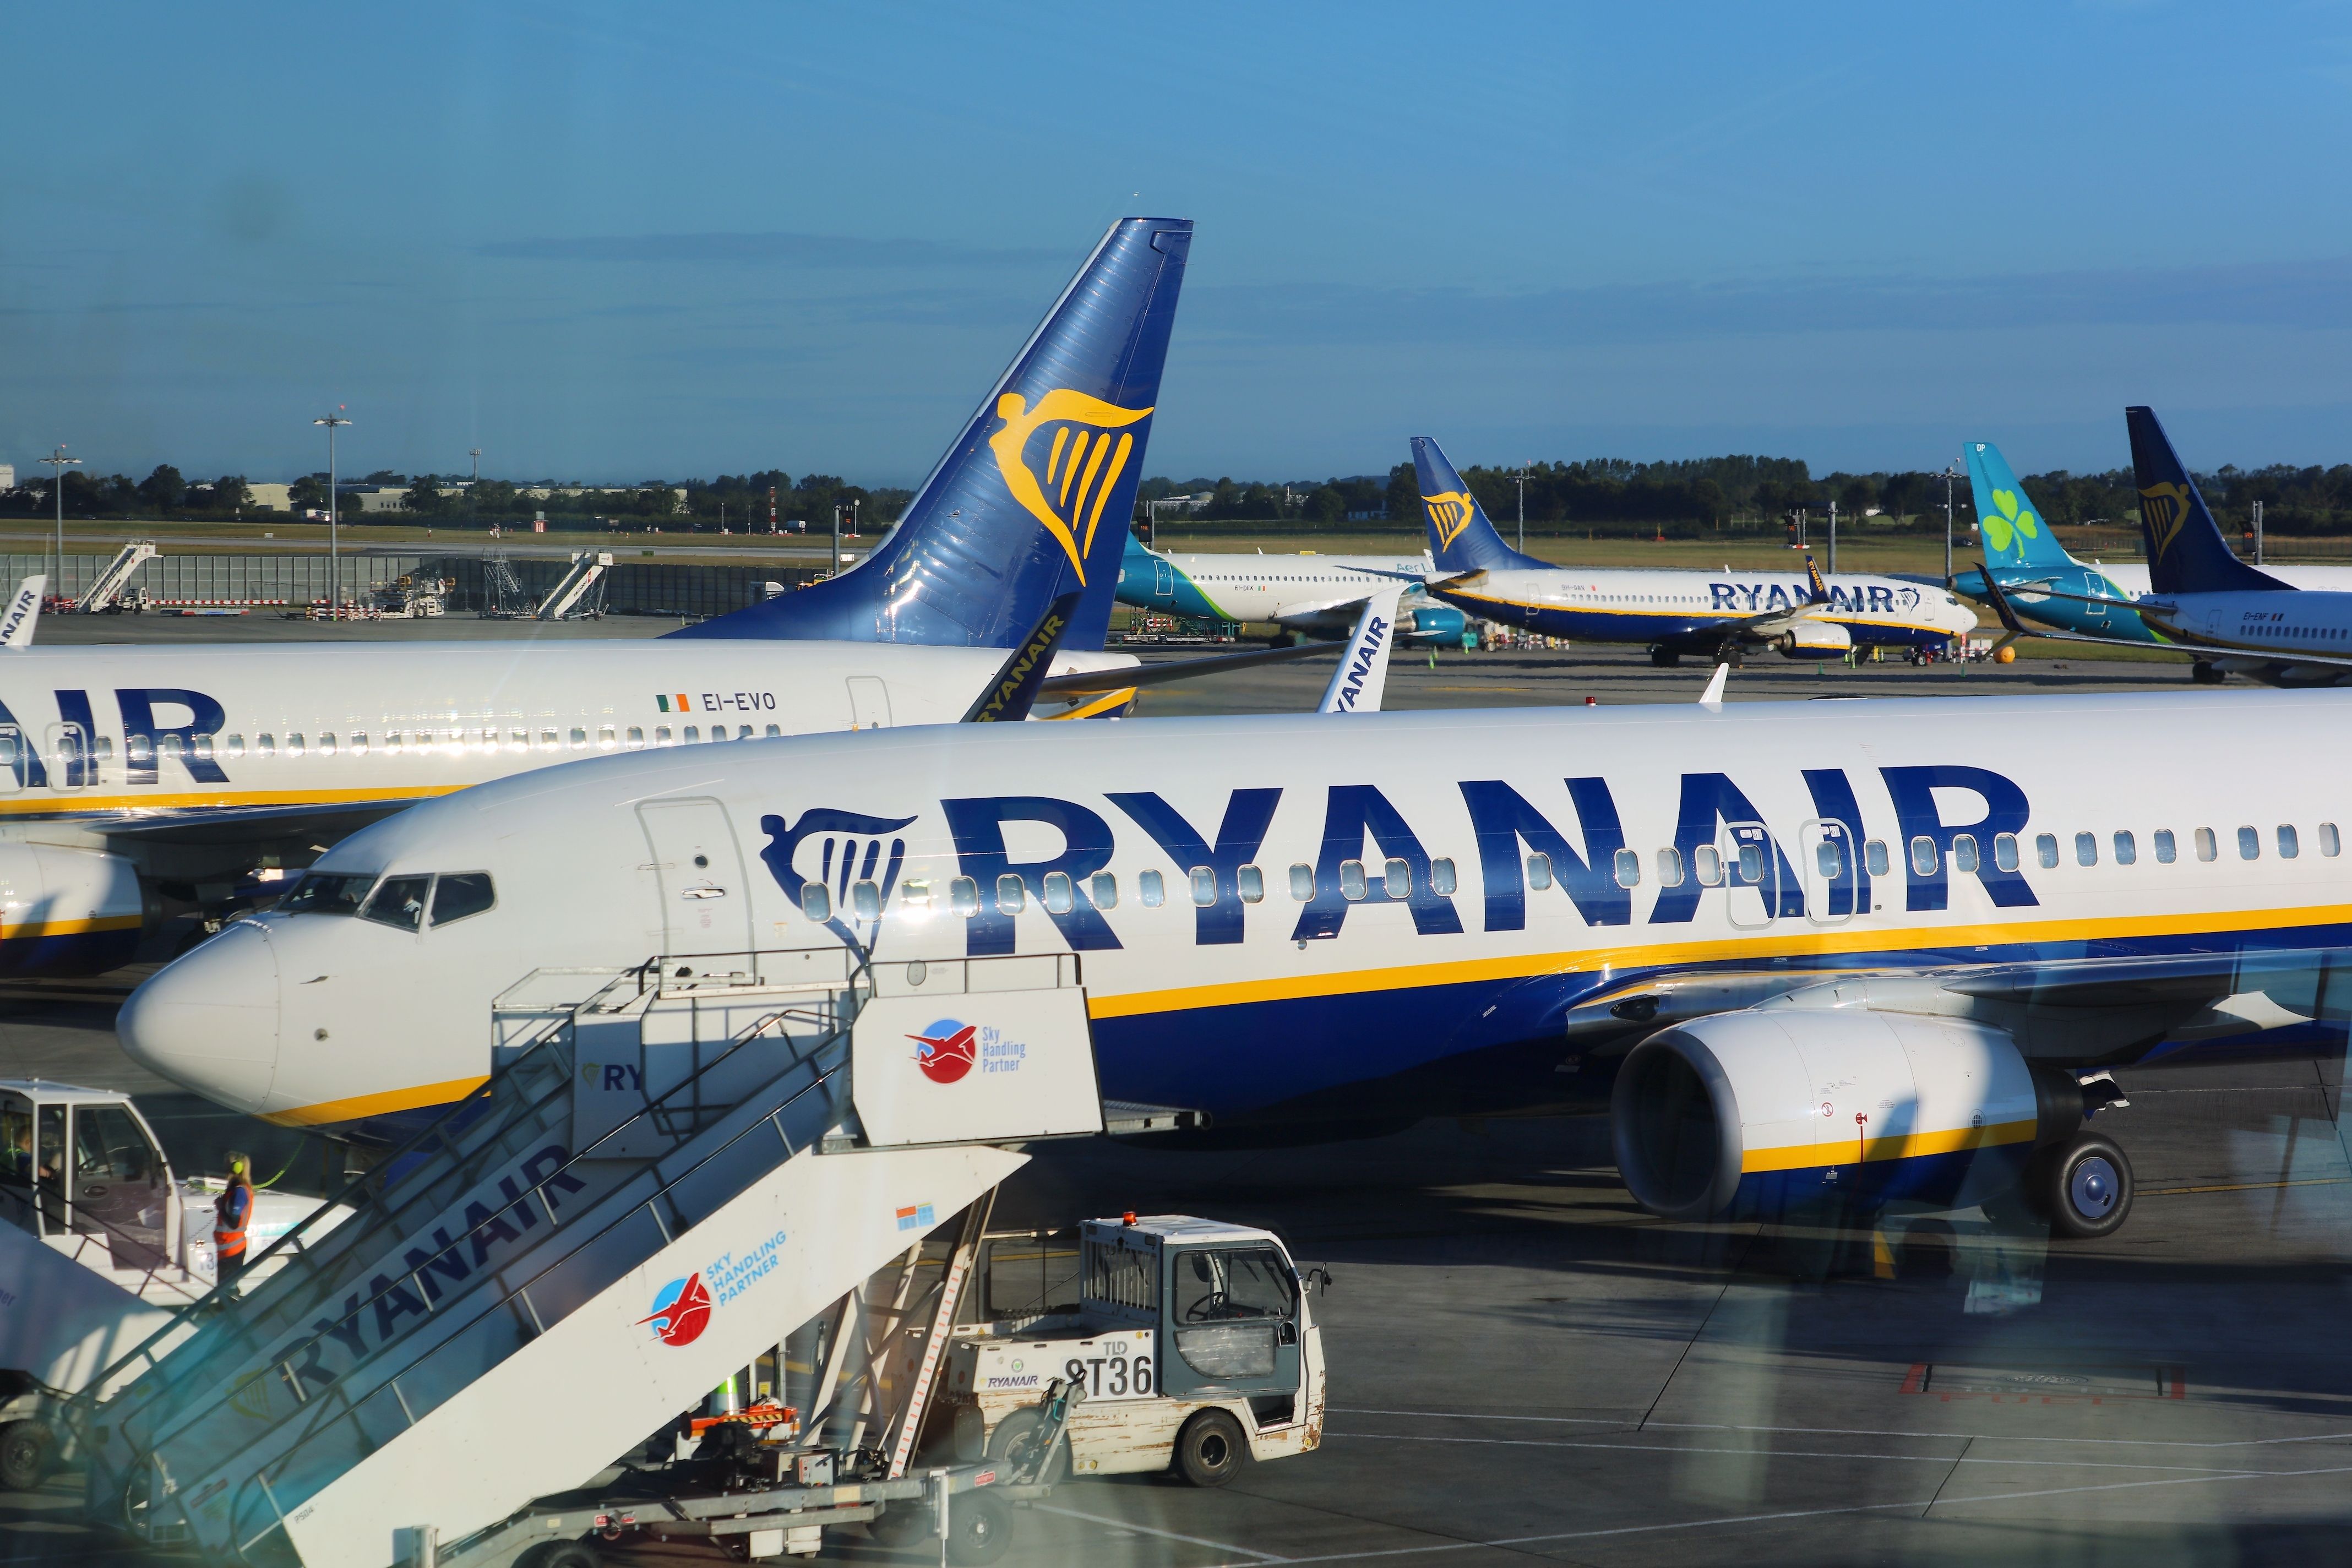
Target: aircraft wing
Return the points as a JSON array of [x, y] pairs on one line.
[[323, 823]]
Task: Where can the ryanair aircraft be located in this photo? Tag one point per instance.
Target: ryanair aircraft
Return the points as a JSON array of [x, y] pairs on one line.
[[1714, 614], [1320, 595], [136, 778], [1892, 955]]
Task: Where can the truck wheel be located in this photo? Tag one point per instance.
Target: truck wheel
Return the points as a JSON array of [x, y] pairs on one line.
[[565, 1554], [1210, 1448], [1013, 1444], [2089, 1189], [900, 1524], [24, 1455], [980, 1529]]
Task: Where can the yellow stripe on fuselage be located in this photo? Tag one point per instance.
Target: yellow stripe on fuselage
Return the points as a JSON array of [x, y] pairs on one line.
[[32, 929], [1895, 1146], [358, 1107], [1816, 944], [78, 803]]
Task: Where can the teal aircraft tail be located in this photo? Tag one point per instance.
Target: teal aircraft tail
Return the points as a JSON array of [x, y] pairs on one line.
[[2015, 535]]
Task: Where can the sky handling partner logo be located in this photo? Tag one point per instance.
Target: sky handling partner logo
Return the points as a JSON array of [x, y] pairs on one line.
[[947, 1049], [1083, 463], [681, 1311], [1449, 513]]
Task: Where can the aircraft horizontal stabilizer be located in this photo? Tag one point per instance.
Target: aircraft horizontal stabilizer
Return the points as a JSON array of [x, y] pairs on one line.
[[1120, 679]]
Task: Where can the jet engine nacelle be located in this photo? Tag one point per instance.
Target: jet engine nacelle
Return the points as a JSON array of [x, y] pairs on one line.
[[1815, 639], [1756, 1109], [66, 911], [1441, 622]]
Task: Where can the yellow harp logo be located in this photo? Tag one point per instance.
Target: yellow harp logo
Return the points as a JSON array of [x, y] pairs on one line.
[[1088, 452], [2165, 508], [1449, 514]]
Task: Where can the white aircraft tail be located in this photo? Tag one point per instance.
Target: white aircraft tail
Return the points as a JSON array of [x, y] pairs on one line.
[[1363, 674], [24, 610]]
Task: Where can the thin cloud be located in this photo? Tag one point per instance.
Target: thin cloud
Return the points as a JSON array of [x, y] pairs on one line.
[[808, 252]]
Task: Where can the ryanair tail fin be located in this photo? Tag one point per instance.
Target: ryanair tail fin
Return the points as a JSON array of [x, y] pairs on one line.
[[1460, 537], [2186, 552], [2014, 534], [1033, 501]]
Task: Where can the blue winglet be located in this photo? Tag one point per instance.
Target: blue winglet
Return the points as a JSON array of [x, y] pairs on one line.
[[2186, 552], [1033, 499]]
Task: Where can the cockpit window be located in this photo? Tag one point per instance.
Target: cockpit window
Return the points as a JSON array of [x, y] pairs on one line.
[[399, 903], [461, 894], [328, 893]]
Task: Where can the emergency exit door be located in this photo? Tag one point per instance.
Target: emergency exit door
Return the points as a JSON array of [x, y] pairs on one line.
[[696, 877]]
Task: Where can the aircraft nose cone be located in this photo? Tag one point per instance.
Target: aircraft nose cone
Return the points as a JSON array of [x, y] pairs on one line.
[[208, 1020]]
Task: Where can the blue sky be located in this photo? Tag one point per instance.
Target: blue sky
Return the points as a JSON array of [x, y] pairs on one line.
[[615, 243]]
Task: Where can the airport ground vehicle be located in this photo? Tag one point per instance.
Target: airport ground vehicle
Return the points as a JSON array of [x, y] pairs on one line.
[[675, 1159], [101, 1242], [1193, 1342]]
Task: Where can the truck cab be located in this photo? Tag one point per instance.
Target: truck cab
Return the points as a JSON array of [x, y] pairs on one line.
[[81, 1170], [1191, 1341]]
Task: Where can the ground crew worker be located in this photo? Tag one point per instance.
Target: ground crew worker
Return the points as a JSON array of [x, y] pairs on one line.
[[232, 1213]]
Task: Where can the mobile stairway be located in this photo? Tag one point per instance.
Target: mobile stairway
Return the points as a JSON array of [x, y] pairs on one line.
[[107, 590], [660, 1181], [581, 593]]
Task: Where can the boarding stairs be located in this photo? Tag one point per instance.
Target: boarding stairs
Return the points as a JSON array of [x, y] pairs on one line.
[[102, 593], [580, 594], [659, 1179]]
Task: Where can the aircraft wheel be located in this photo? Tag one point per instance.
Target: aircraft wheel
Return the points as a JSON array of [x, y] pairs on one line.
[[980, 1529], [2205, 674], [1282, 639], [24, 1450], [2087, 1187], [1664, 658], [1210, 1448]]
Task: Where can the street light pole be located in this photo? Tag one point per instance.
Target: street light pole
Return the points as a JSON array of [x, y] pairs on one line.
[[1834, 538], [58, 463], [1521, 479], [333, 422], [1948, 476]]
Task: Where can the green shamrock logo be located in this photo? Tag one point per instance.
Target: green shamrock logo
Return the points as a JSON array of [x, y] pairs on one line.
[[2007, 521]]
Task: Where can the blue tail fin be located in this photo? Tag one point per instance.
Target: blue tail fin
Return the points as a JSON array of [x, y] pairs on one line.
[[1460, 537], [2186, 552], [1817, 586], [2015, 535], [1034, 501]]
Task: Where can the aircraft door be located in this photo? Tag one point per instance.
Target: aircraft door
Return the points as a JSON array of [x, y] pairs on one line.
[[15, 758], [1751, 863], [1233, 1323], [71, 763], [869, 703], [1163, 581], [1825, 860], [698, 877]]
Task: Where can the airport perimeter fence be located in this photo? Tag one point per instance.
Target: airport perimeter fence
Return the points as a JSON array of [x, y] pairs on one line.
[[264, 583]]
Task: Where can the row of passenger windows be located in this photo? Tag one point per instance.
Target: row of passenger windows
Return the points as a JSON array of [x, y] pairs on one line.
[[140, 751], [1059, 893], [1707, 865]]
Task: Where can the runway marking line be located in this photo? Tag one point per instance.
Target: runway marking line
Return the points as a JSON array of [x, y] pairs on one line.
[[1254, 1556], [1630, 1424]]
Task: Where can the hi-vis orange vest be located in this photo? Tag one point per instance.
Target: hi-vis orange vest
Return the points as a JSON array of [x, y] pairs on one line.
[[230, 1219]]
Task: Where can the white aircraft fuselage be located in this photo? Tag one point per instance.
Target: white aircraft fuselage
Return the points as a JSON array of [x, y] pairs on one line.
[[188, 767], [1309, 922]]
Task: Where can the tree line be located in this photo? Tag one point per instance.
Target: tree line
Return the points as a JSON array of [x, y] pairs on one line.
[[1681, 498]]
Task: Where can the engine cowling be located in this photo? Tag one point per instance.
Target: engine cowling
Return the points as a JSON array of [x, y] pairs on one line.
[[1442, 622], [1758, 1109], [66, 911], [1815, 639]]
